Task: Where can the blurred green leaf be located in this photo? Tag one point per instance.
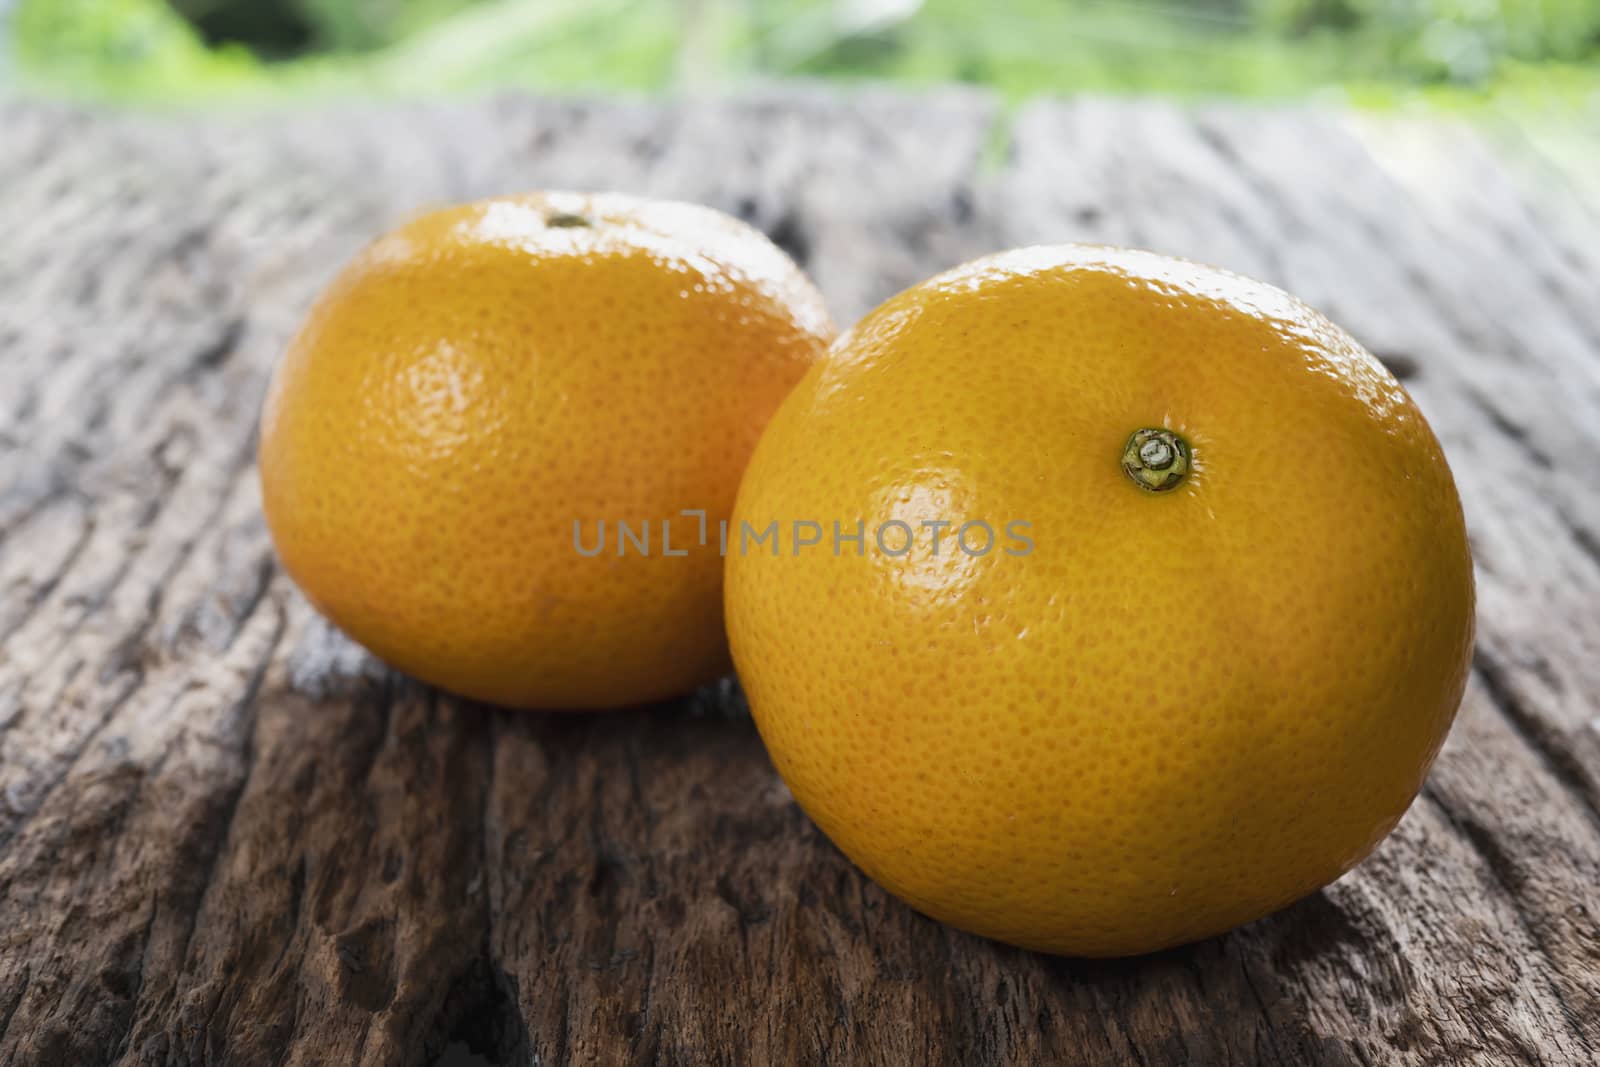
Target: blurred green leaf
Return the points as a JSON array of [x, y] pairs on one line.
[[146, 49]]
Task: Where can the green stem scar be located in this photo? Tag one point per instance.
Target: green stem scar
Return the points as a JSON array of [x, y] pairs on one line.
[[1156, 460], [566, 220]]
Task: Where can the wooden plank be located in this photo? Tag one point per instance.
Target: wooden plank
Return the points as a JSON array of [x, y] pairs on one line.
[[227, 835]]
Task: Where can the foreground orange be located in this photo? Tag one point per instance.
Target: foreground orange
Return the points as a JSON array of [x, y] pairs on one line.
[[486, 376], [1209, 624]]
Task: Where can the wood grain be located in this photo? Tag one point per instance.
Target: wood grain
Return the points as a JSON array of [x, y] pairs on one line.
[[227, 836]]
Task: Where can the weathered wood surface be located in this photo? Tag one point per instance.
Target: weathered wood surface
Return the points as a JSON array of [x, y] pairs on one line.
[[227, 836]]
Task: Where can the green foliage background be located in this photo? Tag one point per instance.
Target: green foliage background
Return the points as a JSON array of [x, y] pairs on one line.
[[208, 50]]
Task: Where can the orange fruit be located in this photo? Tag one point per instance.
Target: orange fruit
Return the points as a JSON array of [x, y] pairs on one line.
[[484, 378], [1174, 679]]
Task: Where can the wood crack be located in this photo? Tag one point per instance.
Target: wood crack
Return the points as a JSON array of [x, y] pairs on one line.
[[245, 705], [1586, 540], [1550, 748], [1509, 881], [14, 1003], [42, 591], [1509, 429], [10, 831]]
